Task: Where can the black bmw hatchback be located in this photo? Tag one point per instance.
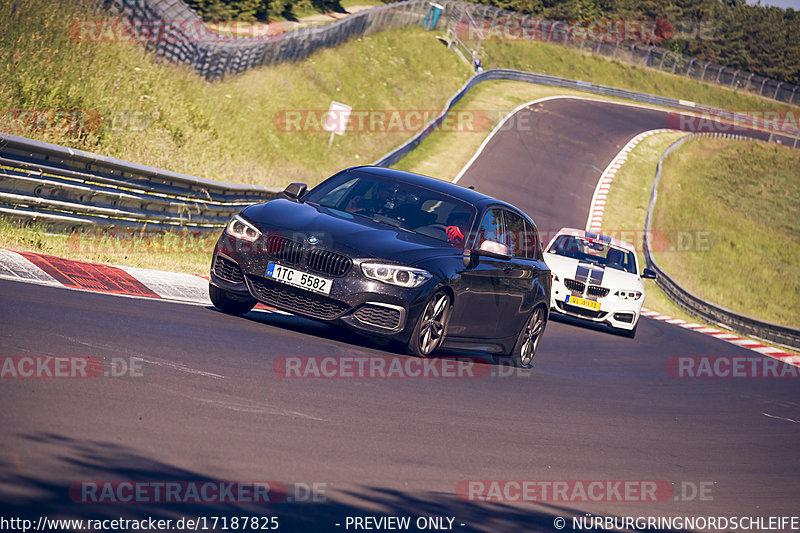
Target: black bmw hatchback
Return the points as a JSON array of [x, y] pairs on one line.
[[392, 254]]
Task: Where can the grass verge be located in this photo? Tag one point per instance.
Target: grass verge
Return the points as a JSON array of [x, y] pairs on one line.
[[738, 204], [170, 251], [626, 210]]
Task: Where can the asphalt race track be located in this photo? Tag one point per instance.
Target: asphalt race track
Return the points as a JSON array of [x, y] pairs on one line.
[[205, 403]]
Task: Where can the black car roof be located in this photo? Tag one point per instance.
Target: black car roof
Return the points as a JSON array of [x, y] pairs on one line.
[[452, 189]]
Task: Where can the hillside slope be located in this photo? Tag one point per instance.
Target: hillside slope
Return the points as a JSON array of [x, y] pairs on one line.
[[236, 130]]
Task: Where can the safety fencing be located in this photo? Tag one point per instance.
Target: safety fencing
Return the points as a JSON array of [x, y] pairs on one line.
[[696, 305], [477, 23], [172, 30], [184, 38]]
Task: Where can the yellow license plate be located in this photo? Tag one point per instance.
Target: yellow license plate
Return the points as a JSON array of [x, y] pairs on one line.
[[574, 300]]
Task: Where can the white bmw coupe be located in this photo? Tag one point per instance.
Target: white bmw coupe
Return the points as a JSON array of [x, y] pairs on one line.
[[596, 278]]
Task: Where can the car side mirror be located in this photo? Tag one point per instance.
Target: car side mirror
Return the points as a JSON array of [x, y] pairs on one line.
[[648, 274], [494, 249], [295, 190]]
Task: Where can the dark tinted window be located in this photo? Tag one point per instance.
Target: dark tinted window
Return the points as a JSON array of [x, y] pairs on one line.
[[397, 203], [532, 241], [594, 251], [492, 227], [517, 237]]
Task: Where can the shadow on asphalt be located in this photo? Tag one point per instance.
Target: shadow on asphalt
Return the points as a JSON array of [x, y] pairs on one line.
[[321, 330], [586, 324], [31, 496]]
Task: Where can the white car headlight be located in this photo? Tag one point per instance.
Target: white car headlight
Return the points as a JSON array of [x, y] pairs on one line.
[[242, 229], [396, 275], [629, 295]]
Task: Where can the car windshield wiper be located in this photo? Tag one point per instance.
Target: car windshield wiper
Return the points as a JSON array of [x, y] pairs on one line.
[[388, 221]]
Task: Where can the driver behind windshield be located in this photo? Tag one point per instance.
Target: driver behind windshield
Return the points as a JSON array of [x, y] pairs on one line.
[[375, 200], [457, 228]]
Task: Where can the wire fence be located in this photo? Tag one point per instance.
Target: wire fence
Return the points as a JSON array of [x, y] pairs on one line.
[[478, 23], [181, 36]]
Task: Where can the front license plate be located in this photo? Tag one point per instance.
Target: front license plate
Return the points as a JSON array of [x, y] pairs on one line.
[[298, 278], [574, 300]]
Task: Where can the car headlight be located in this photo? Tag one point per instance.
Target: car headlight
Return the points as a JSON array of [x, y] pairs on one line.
[[242, 229], [629, 295], [396, 275]]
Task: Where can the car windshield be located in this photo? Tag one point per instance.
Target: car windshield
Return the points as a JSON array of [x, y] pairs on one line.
[[396, 203], [594, 251]]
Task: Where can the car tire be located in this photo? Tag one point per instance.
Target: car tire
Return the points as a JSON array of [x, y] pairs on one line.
[[226, 303], [431, 326], [630, 333], [529, 337]]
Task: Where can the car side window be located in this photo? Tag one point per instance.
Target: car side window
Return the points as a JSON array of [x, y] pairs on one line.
[[517, 237], [532, 242], [492, 227]]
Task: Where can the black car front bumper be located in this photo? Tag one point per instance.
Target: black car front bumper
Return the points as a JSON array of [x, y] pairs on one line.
[[356, 301]]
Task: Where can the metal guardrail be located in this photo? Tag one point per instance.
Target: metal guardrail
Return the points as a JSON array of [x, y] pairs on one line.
[[697, 306], [792, 138], [70, 188]]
